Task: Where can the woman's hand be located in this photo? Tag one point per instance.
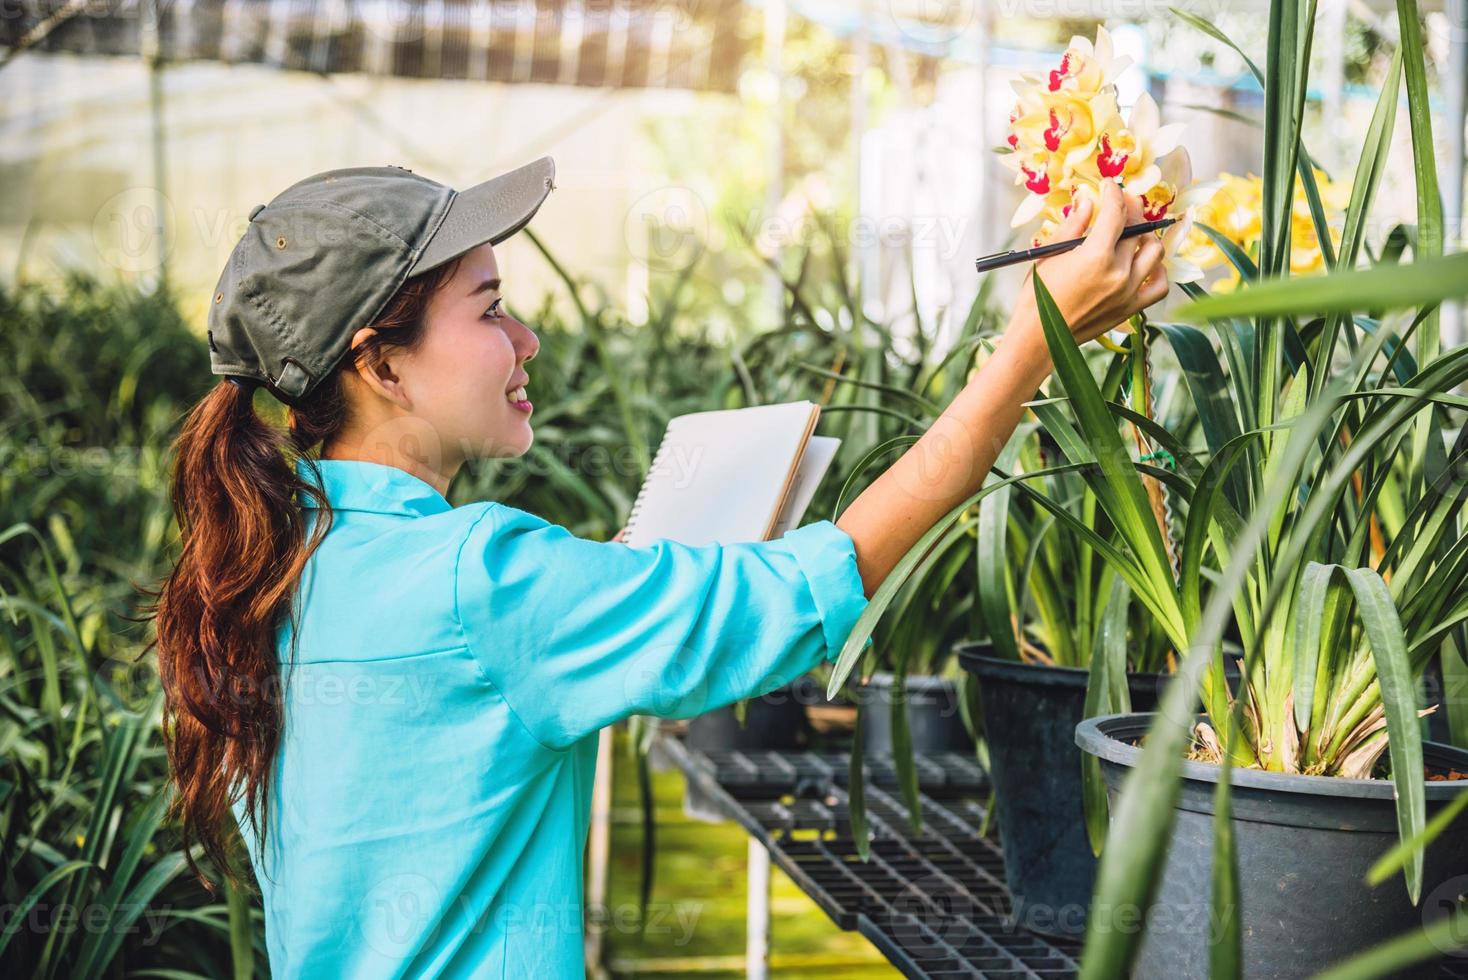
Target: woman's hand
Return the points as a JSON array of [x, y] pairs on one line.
[[1101, 282]]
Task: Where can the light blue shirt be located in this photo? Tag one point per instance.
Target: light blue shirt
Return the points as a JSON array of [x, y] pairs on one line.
[[432, 791]]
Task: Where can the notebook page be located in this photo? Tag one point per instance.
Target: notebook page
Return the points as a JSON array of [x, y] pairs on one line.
[[720, 477], [819, 452]]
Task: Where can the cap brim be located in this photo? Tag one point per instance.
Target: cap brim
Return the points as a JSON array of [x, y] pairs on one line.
[[488, 212]]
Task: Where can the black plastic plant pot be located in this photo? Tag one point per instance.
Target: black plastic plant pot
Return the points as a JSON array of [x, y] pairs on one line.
[[934, 718], [773, 722], [1304, 846], [1030, 715]]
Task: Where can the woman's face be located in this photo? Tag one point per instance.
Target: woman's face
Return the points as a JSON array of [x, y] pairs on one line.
[[467, 379]]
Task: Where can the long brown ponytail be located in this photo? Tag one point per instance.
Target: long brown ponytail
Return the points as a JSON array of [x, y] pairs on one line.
[[244, 544]]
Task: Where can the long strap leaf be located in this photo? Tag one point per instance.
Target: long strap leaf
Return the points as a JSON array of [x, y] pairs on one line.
[[1117, 485], [21, 912], [1399, 698], [1421, 283], [1107, 675], [140, 836], [882, 599], [992, 584]]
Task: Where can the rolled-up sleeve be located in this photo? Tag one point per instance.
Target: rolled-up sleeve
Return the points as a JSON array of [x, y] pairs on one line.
[[577, 634]]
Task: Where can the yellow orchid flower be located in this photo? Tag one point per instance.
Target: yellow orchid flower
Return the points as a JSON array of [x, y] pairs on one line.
[[1059, 124], [1128, 150], [1085, 67], [1234, 211]]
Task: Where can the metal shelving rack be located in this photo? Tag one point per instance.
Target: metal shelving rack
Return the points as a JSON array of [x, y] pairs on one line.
[[934, 903]]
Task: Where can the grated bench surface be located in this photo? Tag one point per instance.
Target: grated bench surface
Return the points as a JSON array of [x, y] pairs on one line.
[[934, 903]]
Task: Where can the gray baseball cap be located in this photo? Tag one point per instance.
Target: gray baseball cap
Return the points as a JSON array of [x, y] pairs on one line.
[[323, 259]]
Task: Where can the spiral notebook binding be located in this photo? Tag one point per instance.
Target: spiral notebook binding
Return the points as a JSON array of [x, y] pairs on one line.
[[642, 491]]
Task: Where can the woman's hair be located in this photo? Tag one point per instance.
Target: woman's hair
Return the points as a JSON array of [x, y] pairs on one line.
[[243, 543]]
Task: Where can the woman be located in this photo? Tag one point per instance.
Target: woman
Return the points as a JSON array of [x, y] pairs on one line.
[[399, 699]]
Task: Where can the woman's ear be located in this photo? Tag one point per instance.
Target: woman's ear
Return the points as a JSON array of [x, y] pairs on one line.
[[380, 377]]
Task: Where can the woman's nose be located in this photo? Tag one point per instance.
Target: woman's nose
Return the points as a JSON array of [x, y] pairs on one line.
[[529, 343]]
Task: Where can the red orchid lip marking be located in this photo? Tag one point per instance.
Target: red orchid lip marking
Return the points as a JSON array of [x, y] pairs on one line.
[[1036, 182], [1109, 161], [1057, 131], [1059, 75], [1156, 210]]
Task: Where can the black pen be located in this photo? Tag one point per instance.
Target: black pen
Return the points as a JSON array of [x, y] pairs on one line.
[[1000, 259]]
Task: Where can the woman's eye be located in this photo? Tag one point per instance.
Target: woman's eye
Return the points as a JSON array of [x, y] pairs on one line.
[[494, 311]]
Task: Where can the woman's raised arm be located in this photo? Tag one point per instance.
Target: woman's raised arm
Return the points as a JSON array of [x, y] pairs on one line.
[[1096, 285]]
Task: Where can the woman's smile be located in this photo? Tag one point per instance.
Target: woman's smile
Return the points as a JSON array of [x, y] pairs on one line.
[[518, 398]]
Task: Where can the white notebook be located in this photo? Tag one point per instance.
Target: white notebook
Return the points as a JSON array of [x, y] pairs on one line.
[[734, 475]]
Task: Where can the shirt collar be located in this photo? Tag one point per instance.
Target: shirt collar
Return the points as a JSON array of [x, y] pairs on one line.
[[355, 484]]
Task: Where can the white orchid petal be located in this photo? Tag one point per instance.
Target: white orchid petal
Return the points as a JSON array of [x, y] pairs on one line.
[[1029, 209], [1199, 193], [1168, 138], [1175, 235], [1012, 161], [1180, 270], [1183, 176], [1176, 166], [1144, 180], [1145, 118]]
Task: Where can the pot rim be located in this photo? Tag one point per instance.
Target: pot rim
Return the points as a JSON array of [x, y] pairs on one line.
[[1094, 736], [1035, 673], [967, 652]]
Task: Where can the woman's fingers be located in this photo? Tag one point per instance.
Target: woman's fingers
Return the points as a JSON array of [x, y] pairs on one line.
[[1154, 290], [1107, 278], [1126, 248], [1147, 260], [1133, 209], [1110, 218], [1075, 223], [1149, 273]]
